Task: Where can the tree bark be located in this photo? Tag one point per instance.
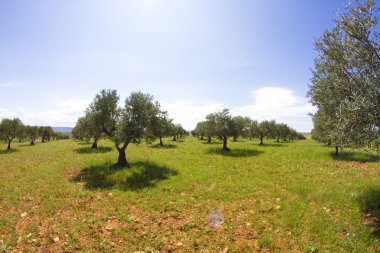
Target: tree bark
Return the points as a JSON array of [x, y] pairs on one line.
[[278, 139], [209, 139], [95, 144], [261, 140], [202, 137], [122, 159], [235, 138], [9, 145], [225, 148], [336, 150], [161, 143], [32, 142], [175, 138]]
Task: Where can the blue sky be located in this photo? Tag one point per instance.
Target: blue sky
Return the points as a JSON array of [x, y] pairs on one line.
[[194, 56]]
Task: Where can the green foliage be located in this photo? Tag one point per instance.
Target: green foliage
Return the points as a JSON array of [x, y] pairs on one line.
[[345, 85], [10, 129]]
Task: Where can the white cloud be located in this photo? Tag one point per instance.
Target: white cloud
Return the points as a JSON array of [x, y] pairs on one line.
[[64, 113], [280, 104], [188, 113]]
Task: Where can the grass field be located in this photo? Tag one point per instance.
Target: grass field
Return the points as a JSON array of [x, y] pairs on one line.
[[288, 197]]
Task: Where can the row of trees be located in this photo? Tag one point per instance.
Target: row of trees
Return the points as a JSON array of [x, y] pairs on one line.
[[140, 118], [345, 85], [223, 126], [11, 129]]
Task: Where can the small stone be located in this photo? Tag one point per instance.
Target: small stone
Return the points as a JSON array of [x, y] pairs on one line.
[[34, 240], [278, 207], [19, 240], [24, 214], [110, 194], [179, 244], [225, 250], [28, 235], [110, 226], [248, 224], [56, 239]]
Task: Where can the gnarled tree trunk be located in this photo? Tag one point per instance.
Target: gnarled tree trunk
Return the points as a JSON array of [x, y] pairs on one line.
[[9, 145], [336, 150], [32, 142], [209, 139], [161, 143], [225, 148], [261, 140], [122, 159], [95, 144]]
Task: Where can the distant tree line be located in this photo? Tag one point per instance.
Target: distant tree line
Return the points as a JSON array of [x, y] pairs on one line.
[[224, 126], [345, 86], [140, 118], [11, 129]]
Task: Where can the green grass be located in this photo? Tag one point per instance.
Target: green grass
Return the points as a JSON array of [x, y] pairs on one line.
[[280, 197]]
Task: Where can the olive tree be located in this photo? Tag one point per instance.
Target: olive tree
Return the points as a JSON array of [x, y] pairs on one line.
[[177, 131], [241, 126], [345, 86], [200, 129], [223, 126], [81, 130], [9, 129], [128, 124], [263, 130], [161, 126], [46, 132], [139, 113], [32, 133]]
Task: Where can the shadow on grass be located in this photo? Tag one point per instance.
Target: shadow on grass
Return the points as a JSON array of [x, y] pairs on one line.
[[369, 203], [27, 145], [90, 150], [234, 152], [276, 145], [141, 175], [165, 146], [211, 143], [354, 157], [6, 152], [82, 143]]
